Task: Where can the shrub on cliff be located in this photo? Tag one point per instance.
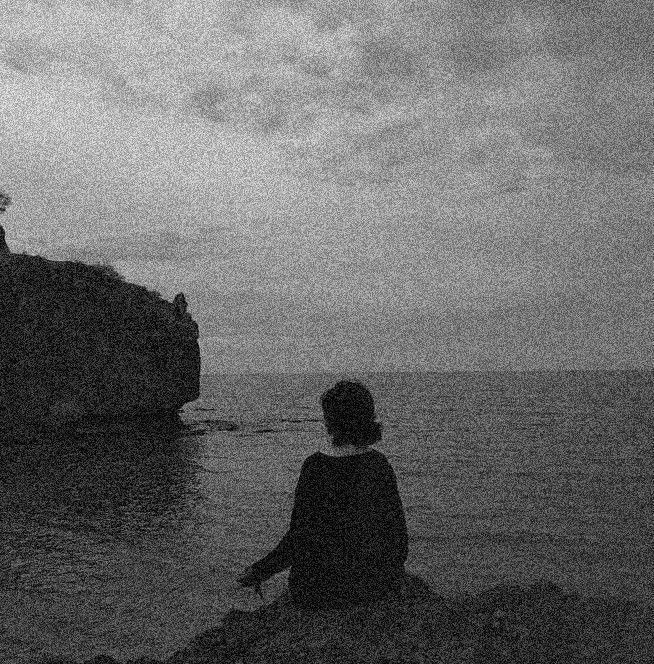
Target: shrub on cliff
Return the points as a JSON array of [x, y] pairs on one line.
[[108, 270]]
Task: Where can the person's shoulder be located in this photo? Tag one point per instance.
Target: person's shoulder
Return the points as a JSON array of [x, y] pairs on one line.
[[372, 455], [313, 460], [377, 456]]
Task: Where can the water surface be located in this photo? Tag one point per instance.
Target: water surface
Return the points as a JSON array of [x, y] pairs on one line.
[[127, 542]]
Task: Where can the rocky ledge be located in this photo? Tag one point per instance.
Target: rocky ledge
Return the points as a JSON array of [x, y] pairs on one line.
[[80, 343], [505, 624]]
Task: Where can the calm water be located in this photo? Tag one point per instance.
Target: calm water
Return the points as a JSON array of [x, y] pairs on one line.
[[128, 542]]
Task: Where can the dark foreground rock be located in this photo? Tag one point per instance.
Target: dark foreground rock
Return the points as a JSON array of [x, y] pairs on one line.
[[503, 625]]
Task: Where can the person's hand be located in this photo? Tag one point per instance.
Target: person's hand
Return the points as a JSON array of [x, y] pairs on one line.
[[249, 579]]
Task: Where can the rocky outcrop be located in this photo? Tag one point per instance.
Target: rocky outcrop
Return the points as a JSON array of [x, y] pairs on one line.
[[77, 342], [503, 625]]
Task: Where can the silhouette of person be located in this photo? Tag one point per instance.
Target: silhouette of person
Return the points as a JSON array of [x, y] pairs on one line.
[[5, 202], [347, 541], [180, 304]]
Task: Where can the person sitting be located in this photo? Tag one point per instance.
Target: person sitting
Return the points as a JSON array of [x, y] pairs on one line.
[[4, 249], [347, 542], [181, 307], [5, 202]]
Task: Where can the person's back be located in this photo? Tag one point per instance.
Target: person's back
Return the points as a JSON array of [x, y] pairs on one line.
[[347, 542], [353, 539]]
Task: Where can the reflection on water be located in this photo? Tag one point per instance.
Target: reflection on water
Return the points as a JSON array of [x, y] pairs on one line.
[[127, 540], [103, 484], [85, 514]]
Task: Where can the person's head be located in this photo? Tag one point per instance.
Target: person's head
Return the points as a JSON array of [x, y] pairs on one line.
[[349, 412], [5, 202]]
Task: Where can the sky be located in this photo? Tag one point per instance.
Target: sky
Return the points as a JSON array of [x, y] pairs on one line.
[[372, 186]]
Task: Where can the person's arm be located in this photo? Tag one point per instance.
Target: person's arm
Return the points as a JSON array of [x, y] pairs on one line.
[[397, 521], [385, 541], [281, 557]]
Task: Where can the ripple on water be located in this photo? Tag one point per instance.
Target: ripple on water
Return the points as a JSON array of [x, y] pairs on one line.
[[128, 542]]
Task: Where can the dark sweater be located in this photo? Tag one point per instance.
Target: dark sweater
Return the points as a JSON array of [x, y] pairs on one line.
[[347, 542]]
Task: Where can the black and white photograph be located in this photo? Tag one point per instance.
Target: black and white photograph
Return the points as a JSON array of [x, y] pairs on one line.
[[326, 332]]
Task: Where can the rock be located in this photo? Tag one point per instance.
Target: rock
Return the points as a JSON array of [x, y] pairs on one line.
[[101, 659], [539, 624], [79, 343], [404, 627], [505, 624], [65, 409]]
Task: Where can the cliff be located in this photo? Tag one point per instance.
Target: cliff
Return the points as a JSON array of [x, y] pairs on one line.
[[77, 342], [502, 625]]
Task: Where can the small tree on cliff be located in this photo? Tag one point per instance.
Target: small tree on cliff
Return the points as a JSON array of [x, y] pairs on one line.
[[108, 270]]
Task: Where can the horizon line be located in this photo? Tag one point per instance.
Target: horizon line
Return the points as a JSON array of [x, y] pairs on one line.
[[336, 372]]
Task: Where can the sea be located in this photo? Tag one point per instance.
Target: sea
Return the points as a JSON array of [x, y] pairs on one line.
[[126, 539]]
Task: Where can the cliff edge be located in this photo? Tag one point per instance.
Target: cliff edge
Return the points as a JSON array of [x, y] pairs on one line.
[[77, 342]]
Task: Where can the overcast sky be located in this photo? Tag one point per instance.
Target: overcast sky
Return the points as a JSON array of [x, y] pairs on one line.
[[336, 185]]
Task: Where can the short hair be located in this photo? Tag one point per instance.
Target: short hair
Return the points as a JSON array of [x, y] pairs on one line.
[[350, 408]]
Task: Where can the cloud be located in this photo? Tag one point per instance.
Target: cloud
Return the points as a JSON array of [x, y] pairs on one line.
[[368, 167], [356, 96], [486, 98], [167, 246], [546, 333], [371, 92], [569, 77]]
